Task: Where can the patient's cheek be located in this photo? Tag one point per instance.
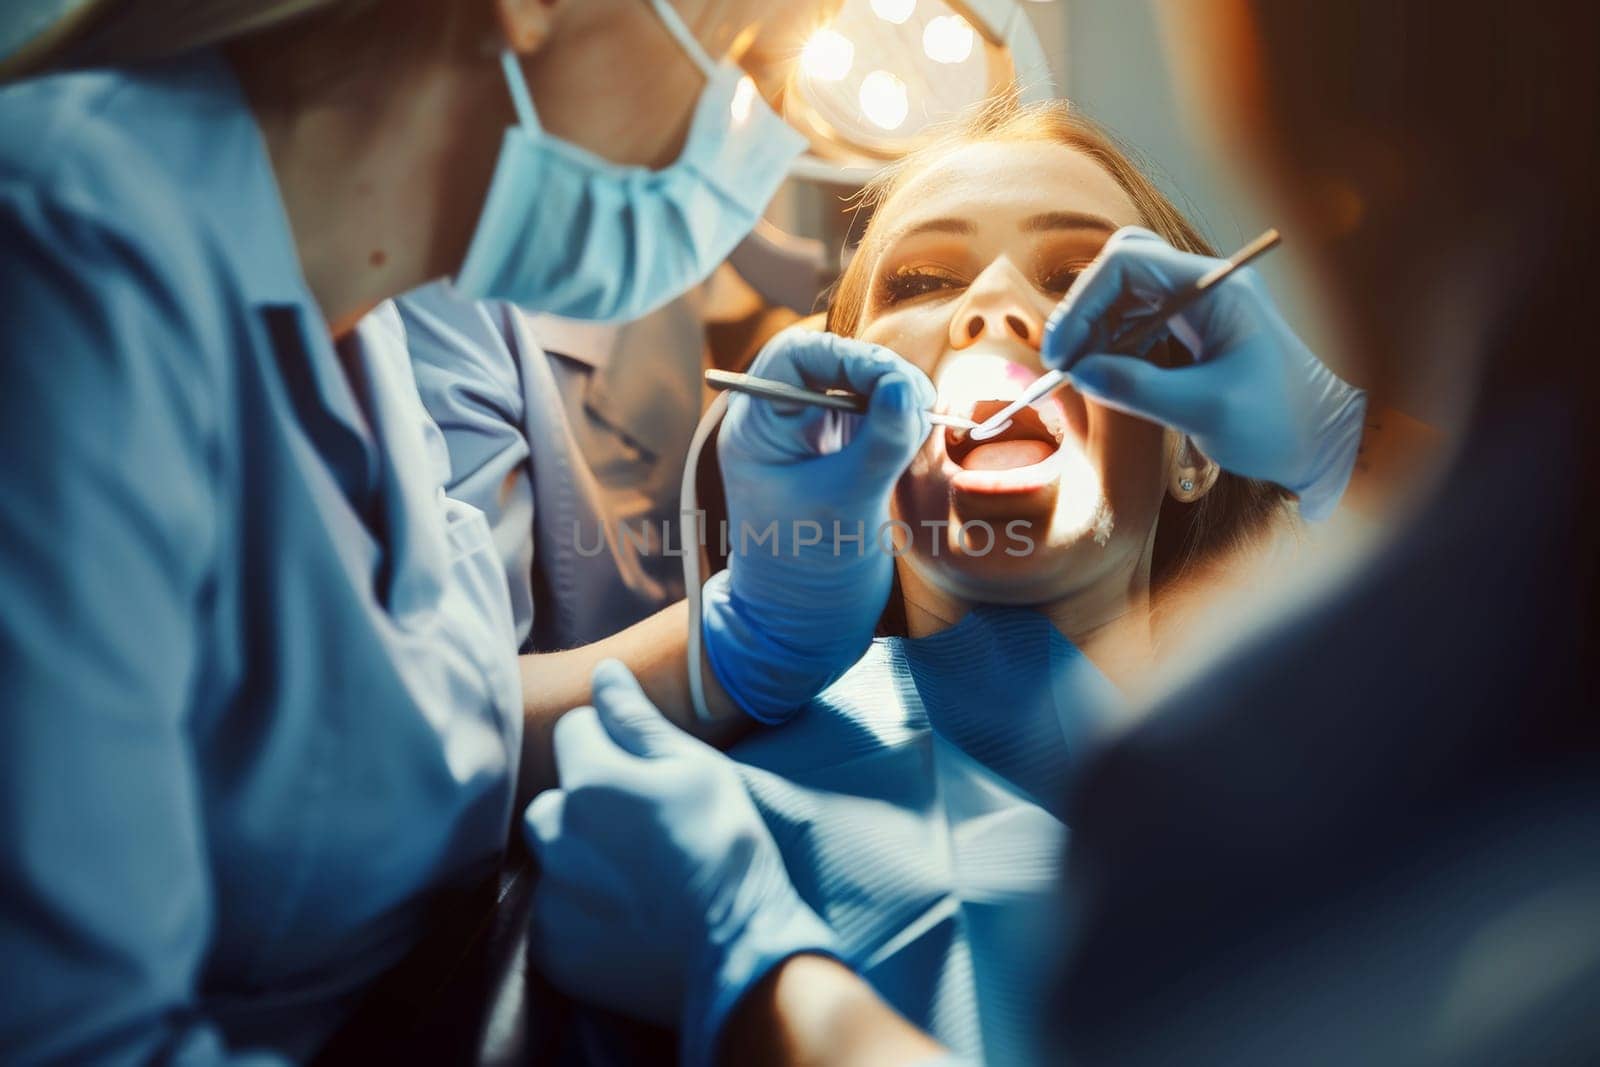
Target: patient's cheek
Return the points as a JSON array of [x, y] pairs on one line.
[[915, 338]]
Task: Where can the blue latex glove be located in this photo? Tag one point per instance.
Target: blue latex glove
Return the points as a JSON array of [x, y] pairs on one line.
[[1256, 400], [661, 893], [787, 618]]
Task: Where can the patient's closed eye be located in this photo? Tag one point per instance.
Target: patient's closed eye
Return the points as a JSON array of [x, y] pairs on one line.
[[908, 283], [1059, 279]]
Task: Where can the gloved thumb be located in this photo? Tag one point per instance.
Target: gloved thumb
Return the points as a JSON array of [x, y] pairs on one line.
[[629, 718], [541, 822], [896, 425], [1185, 398]]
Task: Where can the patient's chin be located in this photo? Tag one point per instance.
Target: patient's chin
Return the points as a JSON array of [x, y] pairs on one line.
[[1012, 582], [1014, 559]]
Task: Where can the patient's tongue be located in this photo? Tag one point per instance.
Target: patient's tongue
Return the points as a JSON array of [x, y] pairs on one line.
[[1004, 455]]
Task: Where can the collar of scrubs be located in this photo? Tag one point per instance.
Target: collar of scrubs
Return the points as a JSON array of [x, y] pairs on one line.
[[207, 135], [240, 195], [595, 344], [589, 343], [247, 209], [371, 450], [644, 378]]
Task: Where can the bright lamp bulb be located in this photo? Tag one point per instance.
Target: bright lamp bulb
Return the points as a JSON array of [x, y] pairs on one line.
[[883, 100], [895, 11], [948, 39], [827, 56]]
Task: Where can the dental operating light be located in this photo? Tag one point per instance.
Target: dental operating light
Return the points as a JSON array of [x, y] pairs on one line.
[[895, 11], [872, 83], [948, 39], [828, 56], [876, 81], [883, 100]]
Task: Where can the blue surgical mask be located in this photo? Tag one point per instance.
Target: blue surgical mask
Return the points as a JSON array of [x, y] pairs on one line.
[[568, 233]]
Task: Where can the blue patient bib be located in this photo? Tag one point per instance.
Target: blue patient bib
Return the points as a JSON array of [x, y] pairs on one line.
[[906, 801]]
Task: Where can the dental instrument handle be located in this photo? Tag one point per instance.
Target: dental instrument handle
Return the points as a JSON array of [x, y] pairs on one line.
[[834, 399], [1135, 339], [1047, 383]]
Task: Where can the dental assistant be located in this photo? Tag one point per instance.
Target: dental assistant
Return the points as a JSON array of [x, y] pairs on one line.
[[262, 700]]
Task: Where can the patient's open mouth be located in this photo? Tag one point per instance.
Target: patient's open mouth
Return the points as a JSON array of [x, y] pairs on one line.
[[1028, 440]]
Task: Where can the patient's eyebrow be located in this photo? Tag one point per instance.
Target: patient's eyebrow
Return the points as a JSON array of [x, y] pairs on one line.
[[1068, 220], [946, 225]]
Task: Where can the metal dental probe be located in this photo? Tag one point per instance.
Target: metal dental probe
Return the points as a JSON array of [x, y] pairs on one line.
[[1136, 338], [836, 399]]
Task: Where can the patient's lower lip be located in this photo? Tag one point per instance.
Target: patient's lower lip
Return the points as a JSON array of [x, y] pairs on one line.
[[1004, 494]]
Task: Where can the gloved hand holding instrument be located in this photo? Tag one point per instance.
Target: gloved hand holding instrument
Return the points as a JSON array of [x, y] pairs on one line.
[[1256, 400], [808, 494]]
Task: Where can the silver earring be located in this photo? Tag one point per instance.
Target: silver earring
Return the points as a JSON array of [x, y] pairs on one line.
[[1186, 485]]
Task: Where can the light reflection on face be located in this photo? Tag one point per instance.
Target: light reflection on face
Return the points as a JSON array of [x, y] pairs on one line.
[[976, 251]]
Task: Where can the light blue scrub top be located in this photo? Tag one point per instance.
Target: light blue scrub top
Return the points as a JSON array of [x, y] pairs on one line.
[[571, 438], [260, 697]]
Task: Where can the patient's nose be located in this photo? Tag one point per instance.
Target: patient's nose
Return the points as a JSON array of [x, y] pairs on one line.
[[998, 305]]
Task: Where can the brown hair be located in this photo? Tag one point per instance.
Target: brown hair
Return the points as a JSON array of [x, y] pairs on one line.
[[1236, 510]]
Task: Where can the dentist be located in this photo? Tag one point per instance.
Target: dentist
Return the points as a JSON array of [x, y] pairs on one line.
[[261, 696]]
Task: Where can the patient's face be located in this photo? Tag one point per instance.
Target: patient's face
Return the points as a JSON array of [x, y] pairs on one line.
[[978, 249]]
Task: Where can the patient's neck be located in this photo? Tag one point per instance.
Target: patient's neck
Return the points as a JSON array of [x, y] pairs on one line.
[[1109, 622]]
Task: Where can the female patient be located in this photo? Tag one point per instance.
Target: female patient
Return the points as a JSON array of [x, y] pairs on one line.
[[1032, 571]]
